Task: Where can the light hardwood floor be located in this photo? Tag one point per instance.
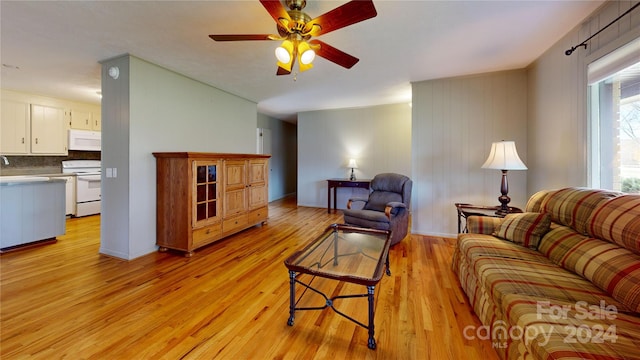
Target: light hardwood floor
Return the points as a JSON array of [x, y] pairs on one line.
[[229, 301]]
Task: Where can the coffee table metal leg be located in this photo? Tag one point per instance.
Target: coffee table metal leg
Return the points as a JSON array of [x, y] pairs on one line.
[[387, 264], [292, 297], [372, 340]]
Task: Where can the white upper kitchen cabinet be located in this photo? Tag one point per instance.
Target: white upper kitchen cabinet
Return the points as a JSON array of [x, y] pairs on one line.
[[48, 131], [97, 122], [32, 124], [85, 120], [14, 127]]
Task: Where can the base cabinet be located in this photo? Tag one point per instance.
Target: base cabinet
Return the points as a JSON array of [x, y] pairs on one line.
[[204, 197], [31, 211]]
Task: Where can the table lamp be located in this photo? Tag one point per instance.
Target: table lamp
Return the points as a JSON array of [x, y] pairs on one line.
[[504, 157], [352, 165]]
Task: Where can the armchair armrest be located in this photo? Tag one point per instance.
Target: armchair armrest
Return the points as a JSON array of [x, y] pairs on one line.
[[393, 208], [352, 200]]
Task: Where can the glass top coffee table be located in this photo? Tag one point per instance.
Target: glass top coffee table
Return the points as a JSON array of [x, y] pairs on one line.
[[343, 253]]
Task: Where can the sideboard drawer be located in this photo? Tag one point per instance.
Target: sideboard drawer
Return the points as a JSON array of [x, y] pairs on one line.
[[235, 223], [258, 215], [206, 234]]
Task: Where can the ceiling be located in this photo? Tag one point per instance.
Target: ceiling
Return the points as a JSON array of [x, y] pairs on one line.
[[53, 47]]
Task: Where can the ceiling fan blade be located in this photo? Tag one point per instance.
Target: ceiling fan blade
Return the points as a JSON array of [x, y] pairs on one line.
[[277, 11], [332, 54], [282, 71], [345, 15], [241, 37]]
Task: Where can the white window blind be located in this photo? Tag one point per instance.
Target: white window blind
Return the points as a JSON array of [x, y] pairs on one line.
[[613, 62]]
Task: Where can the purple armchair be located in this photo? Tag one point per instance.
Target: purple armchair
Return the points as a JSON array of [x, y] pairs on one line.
[[386, 208]]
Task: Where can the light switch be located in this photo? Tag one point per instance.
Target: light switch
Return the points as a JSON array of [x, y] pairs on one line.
[[109, 172], [115, 172]]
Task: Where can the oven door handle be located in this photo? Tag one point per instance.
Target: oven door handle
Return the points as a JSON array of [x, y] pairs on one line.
[[90, 178]]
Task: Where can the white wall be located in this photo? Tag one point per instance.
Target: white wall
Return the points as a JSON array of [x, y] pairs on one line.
[[283, 172], [557, 87], [166, 112], [378, 137], [114, 216], [455, 121]]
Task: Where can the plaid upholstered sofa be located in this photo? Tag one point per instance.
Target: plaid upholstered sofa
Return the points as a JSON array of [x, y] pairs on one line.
[[560, 281]]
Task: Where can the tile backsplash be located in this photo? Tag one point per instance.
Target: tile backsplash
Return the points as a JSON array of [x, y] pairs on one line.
[[34, 162]]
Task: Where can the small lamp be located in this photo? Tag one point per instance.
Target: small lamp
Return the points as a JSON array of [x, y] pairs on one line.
[[504, 157], [352, 165]]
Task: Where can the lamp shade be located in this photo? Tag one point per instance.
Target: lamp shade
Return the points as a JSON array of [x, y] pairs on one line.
[[352, 164], [504, 156]]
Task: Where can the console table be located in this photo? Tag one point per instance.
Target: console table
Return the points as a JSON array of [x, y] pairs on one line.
[[336, 183]]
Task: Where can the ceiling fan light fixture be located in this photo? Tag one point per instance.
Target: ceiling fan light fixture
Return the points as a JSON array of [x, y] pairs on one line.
[[284, 52], [296, 28], [306, 53]]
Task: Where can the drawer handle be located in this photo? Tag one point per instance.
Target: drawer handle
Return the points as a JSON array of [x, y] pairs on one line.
[[208, 231]]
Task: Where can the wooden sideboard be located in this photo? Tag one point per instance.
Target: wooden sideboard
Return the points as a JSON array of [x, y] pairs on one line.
[[204, 197]]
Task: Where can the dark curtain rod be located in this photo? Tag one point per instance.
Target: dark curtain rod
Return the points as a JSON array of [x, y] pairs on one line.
[[584, 43]]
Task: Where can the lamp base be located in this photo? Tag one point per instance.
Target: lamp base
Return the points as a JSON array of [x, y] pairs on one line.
[[353, 175], [504, 199], [504, 208]]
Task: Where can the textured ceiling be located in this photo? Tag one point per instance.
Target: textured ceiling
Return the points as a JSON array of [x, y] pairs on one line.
[[53, 47]]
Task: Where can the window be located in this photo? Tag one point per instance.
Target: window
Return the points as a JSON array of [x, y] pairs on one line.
[[615, 120]]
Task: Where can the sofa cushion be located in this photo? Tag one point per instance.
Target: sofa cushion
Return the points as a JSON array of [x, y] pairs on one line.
[[558, 241], [525, 229], [543, 328], [534, 204], [608, 266], [503, 267], [573, 206], [611, 268], [618, 221], [502, 276], [472, 246], [482, 224]]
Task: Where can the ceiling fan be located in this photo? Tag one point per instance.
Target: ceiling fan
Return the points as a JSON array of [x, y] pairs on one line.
[[296, 28]]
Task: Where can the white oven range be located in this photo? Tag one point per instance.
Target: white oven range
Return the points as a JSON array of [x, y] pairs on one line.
[[88, 184]]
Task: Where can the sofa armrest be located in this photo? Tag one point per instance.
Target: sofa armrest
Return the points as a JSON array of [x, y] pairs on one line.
[[482, 224]]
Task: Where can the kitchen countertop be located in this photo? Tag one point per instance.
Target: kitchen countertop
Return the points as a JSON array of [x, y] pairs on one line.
[[40, 171], [27, 180]]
